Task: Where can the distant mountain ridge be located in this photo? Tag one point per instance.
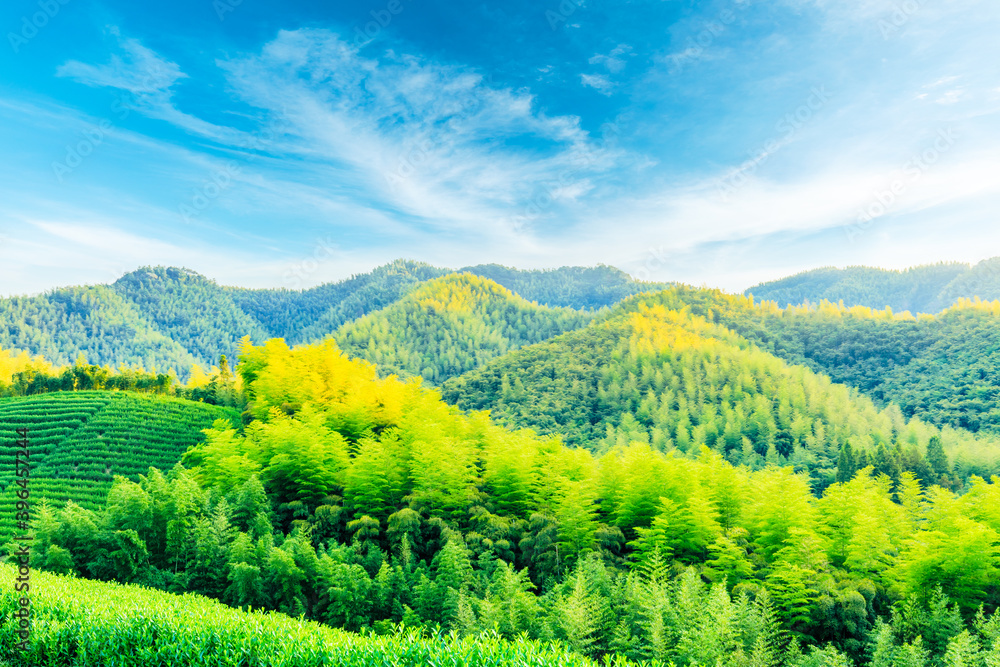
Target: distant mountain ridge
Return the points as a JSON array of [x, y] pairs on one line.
[[922, 289], [173, 318]]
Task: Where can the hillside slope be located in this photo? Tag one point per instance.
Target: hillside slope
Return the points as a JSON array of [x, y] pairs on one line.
[[366, 502], [654, 372], [190, 309], [942, 369], [573, 286], [922, 289], [451, 325], [81, 440], [170, 318], [96, 322], [305, 315], [106, 621]]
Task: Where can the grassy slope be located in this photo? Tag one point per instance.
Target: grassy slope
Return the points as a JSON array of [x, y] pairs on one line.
[[81, 440], [80, 623]]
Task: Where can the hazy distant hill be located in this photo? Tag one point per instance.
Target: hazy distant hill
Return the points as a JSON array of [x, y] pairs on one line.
[[922, 289], [573, 286]]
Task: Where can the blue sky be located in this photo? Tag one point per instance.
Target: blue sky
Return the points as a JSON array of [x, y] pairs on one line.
[[290, 144]]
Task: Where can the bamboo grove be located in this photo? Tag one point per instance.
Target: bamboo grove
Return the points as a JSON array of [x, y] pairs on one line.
[[367, 503]]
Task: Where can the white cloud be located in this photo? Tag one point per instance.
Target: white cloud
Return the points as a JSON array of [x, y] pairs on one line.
[[598, 82], [148, 81], [613, 61], [435, 141]]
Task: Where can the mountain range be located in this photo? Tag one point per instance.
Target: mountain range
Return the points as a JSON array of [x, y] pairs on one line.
[[415, 320], [922, 289], [173, 318]]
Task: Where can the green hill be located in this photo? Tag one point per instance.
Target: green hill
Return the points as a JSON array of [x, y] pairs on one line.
[[942, 369], [656, 372], [190, 309], [451, 325], [81, 440], [96, 322], [309, 314], [170, 318], [366, 503], [572, 286], [922, 289]]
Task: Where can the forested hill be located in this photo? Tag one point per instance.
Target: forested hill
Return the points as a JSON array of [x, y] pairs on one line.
[[169, 318], [922, 289], [942, 368], [572, 286], [452, 325], [654, 372], [365, 503]]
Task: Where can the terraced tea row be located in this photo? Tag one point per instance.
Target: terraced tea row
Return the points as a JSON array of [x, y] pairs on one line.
[[81, 440]]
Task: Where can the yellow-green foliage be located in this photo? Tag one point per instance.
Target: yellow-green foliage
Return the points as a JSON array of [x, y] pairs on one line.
[[451, 325], [654, 371], [384, 445], [13, 362], [79, 623]]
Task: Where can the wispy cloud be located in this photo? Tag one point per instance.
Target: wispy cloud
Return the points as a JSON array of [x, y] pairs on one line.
[[436, 141], [598, 82], [397, 152], [148, 78]]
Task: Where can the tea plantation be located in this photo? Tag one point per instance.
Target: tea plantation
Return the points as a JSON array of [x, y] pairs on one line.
[[81, 440], [81, 623]]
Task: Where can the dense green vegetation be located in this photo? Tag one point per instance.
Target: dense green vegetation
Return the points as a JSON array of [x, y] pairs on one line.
[[81, 441], [578, 287], [451, 325], [695, 488], [653, 372], [89, 624], [366, 502], [96, 322], [942, 369], [922, 289], [306, 315], [190, 309], [170, 319], [21, 375]]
